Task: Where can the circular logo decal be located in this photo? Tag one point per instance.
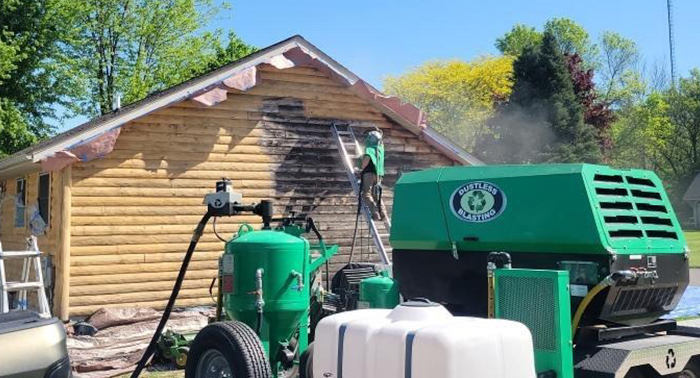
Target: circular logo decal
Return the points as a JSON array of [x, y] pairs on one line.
[[478, 201]]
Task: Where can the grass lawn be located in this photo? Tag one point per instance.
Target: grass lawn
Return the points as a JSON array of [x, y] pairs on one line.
[[693, 239]]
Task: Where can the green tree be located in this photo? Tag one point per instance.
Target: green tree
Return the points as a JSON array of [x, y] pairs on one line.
[[458, 96], [223, 55], [570, 37], [621, 81], [640, 134], [33, 78], [135, 47], [32, 74], [15, 133], [519, 38], [662, 133], [543, 121]]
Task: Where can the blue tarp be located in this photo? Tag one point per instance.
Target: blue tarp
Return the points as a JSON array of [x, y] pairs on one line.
[[690, 304]]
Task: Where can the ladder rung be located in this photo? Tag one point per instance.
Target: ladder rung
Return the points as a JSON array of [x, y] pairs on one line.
[[343, 132], [15, 286], [383, 235], [17, 254]]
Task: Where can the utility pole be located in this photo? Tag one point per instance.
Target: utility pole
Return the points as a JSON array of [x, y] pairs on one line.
[[671, 42]]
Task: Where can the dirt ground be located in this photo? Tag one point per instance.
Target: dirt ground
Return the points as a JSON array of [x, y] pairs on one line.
[[158, 374]]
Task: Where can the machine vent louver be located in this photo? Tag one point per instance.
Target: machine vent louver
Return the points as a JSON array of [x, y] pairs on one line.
[[635, 300], [632, 208]]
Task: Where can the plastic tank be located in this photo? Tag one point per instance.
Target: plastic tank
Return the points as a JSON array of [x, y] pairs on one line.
[[379, 292], [421, 340], [282, 259]]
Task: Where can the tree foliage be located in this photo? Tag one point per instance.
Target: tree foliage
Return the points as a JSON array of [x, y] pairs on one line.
[[543, 121], [37, 80], [33, 80], [519, 38], [458, 96], [570, 37], [596, 112], [620, 77], [662, 133], [135, 47]]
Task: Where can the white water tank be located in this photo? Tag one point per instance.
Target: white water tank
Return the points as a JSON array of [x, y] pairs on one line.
[[420, 340]]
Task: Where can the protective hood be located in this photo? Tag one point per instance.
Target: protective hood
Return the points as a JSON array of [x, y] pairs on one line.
[[374, 148]]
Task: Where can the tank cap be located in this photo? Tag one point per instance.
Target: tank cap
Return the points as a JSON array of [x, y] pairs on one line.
[[420, 302]]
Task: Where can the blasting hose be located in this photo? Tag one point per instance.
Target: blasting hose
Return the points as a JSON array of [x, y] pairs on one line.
[[173, 296], [357, 220]]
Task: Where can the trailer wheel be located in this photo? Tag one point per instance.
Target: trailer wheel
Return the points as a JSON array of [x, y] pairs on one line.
[[692, 370], [225, 350], [306, 363]]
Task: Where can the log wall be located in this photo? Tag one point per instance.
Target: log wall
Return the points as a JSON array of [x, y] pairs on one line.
[[14, 238], [133, 212]]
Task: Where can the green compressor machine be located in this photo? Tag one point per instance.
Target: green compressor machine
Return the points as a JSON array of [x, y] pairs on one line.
[[590, 258], [265, 280]]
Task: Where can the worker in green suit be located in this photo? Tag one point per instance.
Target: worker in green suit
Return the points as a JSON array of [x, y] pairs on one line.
[[372, 172]]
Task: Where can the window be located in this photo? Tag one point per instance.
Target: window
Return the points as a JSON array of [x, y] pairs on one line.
[[20, 202], [44, 196]]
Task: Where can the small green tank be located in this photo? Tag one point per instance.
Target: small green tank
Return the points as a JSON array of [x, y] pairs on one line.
[[379, 292], [265, 284]]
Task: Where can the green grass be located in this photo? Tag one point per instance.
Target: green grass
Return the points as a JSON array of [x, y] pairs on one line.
[[693, 239]]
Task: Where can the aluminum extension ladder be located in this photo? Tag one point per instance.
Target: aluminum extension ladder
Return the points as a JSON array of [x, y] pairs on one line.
[[349, 148], [31, 261]]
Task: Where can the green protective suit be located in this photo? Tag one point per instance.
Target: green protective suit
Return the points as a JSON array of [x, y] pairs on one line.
[[374, 148]]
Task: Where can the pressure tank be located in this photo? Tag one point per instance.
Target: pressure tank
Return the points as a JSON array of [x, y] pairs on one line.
[[379, 292], [263, 272], [420, 340]]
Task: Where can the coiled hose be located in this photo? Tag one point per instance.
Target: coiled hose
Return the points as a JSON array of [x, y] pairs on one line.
[[173, 296]]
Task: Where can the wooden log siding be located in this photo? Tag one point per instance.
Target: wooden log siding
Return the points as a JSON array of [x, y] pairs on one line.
[[14, 238], [133, 211]]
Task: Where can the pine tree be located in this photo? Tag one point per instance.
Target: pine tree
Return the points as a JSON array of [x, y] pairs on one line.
[[543, 120]]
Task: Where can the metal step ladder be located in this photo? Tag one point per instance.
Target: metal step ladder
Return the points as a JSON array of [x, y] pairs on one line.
[[349, 148], [31, 262]]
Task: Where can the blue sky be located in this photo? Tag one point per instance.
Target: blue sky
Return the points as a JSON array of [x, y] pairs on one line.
[[379, 38], [388, 37]]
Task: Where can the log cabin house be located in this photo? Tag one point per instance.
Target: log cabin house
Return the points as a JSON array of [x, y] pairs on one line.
[[121, 194]]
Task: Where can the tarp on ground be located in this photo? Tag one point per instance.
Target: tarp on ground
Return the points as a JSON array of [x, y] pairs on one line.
[[122, 337]]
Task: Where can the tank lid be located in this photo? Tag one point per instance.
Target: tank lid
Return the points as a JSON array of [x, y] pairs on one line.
[[420, 302], [421, 310]]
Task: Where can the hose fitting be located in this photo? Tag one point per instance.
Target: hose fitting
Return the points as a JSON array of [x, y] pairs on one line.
[[300, 280], [259, 300]]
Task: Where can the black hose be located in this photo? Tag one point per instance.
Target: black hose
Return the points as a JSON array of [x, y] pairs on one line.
[[258, 325], [357, 220], [173, 296]]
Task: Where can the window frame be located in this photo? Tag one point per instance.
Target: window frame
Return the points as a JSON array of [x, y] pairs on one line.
[[21, 222]]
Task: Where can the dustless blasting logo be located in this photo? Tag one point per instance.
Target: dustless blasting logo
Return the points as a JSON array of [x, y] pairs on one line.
[[478, 201]]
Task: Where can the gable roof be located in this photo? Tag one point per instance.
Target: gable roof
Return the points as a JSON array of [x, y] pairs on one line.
[[390, 107]]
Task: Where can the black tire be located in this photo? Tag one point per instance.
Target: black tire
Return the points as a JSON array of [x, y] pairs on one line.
[[306, 363], [237, 343], [635, 374], [692, 370]]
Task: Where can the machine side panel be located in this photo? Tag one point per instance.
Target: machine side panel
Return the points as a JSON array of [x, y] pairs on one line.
[[418, 218], [546, 213]]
